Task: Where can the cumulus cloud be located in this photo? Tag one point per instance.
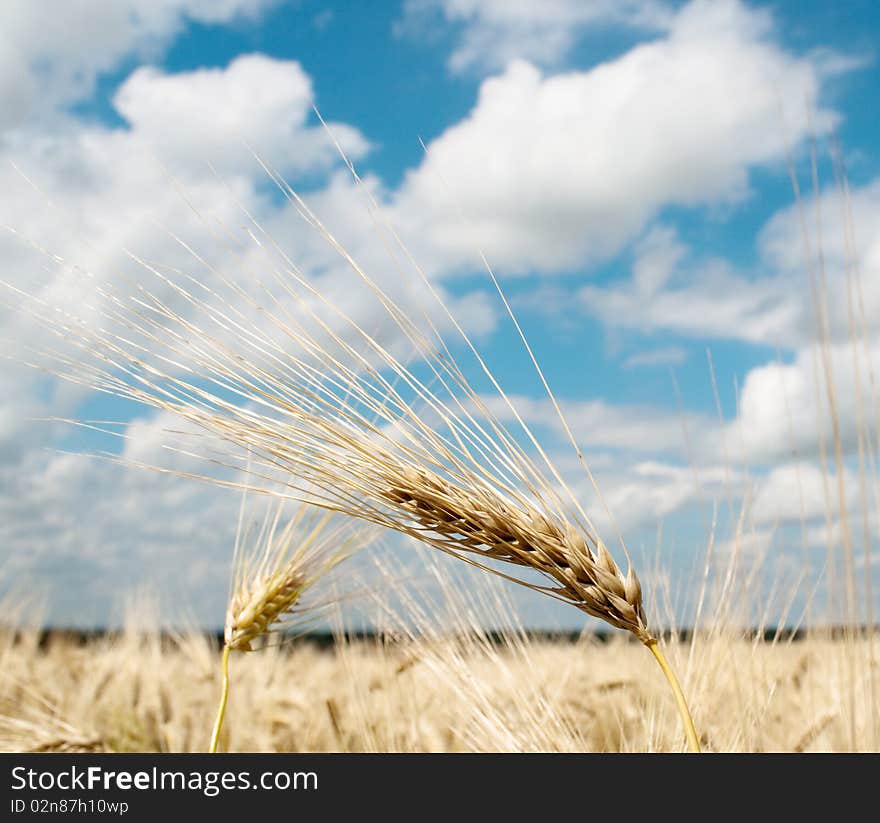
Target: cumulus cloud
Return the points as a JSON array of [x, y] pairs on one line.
[[786, 408], [105, 194], [757, 542], [797, 492], [217, 113], [843, 226], [53, 55], [830, 241], [776, 419], [494, 32], [652, 492], [551, 172], [638, 494], [606, 425], [668, 292], [81, 199], [88, 531]]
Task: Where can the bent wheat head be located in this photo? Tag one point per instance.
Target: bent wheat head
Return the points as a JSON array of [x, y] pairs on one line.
[[296, 384]]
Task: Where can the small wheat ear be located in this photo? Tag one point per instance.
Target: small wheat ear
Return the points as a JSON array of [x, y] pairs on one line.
[[270, 583]]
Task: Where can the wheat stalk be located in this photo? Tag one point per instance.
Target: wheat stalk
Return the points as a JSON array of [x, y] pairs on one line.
[[272, 582], [310, 396]]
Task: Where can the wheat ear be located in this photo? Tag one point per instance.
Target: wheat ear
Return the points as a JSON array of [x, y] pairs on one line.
[[271, 586], [308, 394]]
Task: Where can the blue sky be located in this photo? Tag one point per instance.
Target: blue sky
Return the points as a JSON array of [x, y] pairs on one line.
[[622, 165]]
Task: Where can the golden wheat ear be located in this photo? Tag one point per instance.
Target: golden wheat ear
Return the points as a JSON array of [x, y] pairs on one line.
[[312, 397], [272, 586]]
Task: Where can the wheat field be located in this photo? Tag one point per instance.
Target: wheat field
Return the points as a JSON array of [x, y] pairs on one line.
[[139, 693]]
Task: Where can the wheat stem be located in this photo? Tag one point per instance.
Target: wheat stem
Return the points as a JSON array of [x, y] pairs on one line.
[[686, 719], [224, 696]]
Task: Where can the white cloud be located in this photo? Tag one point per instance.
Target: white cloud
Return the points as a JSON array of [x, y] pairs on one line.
[[217, 113], [841, 537], [777, 419], [641, 493], [799, 492], [653, 492], [102, 191], [551, 172], [670, 292], [87, 532], [597, 423], [707, 299], [658, 255], [495, 32], [54, 52], [99, 191], [845, 228], [784, 407]]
